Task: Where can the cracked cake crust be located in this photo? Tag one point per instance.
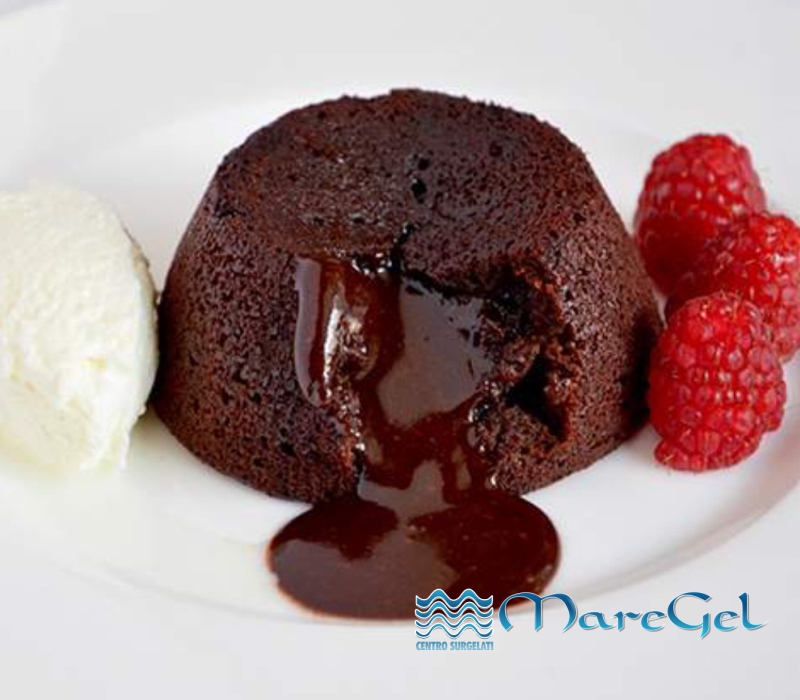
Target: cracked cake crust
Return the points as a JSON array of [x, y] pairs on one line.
[[474, 200]]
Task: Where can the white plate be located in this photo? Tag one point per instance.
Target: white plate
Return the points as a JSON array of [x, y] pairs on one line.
[[168, 555]]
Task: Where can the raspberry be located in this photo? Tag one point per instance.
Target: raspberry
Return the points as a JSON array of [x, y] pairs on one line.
[[693, 189], [716, 384], [758, 258]]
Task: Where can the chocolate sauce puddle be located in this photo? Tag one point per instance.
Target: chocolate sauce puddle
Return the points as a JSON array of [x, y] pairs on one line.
[[400, 367]]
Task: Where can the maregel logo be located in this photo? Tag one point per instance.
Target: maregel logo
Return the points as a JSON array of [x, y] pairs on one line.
[[439, 613]]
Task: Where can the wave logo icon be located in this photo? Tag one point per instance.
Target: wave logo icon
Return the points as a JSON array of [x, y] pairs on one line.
[[453, 616]]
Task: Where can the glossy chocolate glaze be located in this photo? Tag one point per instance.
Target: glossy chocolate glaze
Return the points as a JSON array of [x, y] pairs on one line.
[[399, 366]]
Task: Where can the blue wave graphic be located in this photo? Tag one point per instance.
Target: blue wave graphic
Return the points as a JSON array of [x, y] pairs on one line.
[[439, 594], [469, 617], [468, 626], [454, 616], [439, 608]]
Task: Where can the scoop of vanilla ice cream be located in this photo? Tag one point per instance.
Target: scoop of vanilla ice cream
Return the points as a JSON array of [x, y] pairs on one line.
[[78, 349]]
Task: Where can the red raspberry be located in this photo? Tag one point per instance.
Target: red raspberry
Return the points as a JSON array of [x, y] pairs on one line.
[[693, 189], [758, 258], [716, 384]]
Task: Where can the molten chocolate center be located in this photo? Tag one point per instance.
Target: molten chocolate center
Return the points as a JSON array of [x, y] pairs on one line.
[[401, 368]]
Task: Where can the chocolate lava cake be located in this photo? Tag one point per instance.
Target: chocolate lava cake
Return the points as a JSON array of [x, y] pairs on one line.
[[471, 200]]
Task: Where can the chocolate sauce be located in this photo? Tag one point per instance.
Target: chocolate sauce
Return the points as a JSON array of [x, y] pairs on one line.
[[400, 366]]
